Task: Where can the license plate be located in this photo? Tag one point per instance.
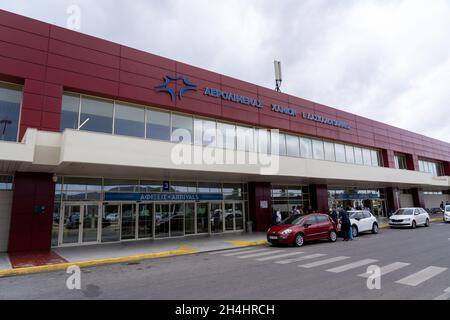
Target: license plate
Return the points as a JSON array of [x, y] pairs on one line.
[[273, 237]]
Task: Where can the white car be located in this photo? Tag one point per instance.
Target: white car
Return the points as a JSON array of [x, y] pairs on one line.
[[410, 217], [447, 214], [363, 221]]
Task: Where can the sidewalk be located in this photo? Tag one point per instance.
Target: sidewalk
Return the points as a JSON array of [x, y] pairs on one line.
[[85, 256]]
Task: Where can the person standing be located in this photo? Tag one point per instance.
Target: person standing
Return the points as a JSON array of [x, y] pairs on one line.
[[278, 219], [442, 205], [345, 224], [334, 216]]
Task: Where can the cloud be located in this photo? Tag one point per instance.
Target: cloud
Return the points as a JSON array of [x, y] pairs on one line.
[[388, 60]]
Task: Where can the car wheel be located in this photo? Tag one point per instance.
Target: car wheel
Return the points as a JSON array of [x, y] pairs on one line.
[[355, 231], [413, 225], [375, 228], [427, 223], [299, 240], [332, 236]]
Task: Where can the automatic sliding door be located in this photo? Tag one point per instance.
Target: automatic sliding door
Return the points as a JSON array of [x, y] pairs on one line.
[[128, 221], [202, 217], [90, 223], [216, 215], [177, 212], [229, 216], [162, 221], [239, 215], [189, 218], [111, 223], [72, 221], [145, 221]]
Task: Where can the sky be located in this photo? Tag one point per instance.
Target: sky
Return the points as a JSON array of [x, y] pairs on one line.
[[387, 60]]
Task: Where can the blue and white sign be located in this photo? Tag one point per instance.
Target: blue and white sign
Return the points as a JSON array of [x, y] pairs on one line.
[[357, 196], [156, 197]]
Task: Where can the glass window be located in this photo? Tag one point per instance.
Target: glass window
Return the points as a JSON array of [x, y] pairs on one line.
[[158, 125], [150, 186], [183, 187], [349, 154], [129, 121], [82, 188], [70, 112], [226, 136], [358, 156], [292, 146], [282, 144], [209, 133], [318, 150], [10, 100], [96, 115], [117, 185], [245, 139], [182, 129], [6, 183], [367, 157], [329, 151], [263, 141], [207, 187], [375, 158], [340, 152], [306, 148]]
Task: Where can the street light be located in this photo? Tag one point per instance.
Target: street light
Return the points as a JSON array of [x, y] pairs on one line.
[[278, 75]]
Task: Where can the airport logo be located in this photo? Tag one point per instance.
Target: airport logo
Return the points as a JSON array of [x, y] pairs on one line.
[[168, 80]]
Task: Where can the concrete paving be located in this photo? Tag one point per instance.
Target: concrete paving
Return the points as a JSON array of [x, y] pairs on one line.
[[420, 256]]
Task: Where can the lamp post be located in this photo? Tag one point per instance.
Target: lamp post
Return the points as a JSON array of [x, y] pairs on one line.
[[278, 75]]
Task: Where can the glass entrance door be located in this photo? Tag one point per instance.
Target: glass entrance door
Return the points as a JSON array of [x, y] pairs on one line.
[[71, 224], [162, 220], [110, 223], [202, 217], [234, 216], [177, 212], [189, 218], [216, 217], [145, 221], [128, 221], [90, 223]]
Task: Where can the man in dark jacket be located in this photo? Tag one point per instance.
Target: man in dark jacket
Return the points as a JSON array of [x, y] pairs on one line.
[[334, 216], [345, 224]]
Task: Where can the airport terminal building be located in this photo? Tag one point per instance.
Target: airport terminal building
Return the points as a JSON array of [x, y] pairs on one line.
[[89, 132]]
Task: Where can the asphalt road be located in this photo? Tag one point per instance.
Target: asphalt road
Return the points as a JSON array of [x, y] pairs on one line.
[[418, 261]]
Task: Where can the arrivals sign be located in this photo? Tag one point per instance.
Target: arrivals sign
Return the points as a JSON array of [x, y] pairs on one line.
[[157, 197], [187, 85]]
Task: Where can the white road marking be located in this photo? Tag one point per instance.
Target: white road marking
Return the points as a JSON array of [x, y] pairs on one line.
[[421, 276], [388, 269], [323, 262], [230, 250], [254, 255], [244, 252], [290, 254], [311, 256], [445, 296], [352, 265]]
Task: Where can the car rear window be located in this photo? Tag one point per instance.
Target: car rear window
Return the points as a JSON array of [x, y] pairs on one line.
[[447, 208]]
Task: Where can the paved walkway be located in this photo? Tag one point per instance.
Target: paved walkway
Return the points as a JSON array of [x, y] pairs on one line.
[[103, 252]]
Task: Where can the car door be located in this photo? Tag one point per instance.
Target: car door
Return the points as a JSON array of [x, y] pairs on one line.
[[323, 224], [418, 216], [311, 228], [367, 220]]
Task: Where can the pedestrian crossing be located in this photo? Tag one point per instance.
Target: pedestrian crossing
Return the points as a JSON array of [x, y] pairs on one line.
[[336, 264]]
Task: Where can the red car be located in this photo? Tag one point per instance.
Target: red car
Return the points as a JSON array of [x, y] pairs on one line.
[[297, 229]]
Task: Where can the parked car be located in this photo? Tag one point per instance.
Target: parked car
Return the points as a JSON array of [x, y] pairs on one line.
[[447, 214], [298, 229], [410, 217], [434, 210], [363, 221]]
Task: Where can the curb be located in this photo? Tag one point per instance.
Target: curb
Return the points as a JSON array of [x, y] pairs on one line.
[[98, 262], [248, 243]]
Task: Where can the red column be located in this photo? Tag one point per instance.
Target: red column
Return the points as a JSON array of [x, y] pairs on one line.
[[31, 230], [418, 197], [388, 158], [447, 168], [412, 162], [259, 192], [318, 194], [392, 197]]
